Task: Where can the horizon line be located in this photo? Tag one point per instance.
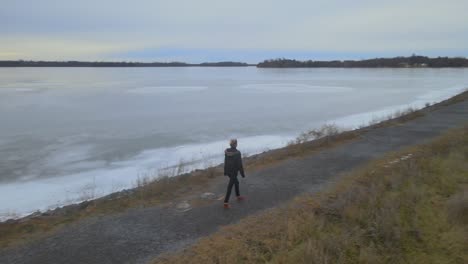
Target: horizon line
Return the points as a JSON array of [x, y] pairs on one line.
[[217, 62]]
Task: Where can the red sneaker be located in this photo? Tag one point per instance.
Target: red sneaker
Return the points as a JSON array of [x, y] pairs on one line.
[[240, 198], [226, 206]]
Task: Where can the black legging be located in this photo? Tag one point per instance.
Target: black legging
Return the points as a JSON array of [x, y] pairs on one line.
[[232, 181]]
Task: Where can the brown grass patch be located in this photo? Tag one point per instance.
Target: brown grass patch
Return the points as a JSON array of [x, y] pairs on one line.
[[410, 211]]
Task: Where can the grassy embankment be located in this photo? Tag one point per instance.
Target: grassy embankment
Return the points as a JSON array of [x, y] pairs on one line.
[[165, 189], [410, 207]]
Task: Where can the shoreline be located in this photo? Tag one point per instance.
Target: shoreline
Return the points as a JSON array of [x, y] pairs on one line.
[[148, 221], [382, 116], [85, 186], [136, 209]]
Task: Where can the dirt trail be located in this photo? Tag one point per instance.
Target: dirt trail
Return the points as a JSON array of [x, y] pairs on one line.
[[138, 235]]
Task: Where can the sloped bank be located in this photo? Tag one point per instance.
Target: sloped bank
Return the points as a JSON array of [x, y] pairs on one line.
[[410, 207]]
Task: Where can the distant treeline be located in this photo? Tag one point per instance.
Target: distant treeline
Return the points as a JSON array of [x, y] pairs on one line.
[[223, 64], [397, 62], [23, 63]]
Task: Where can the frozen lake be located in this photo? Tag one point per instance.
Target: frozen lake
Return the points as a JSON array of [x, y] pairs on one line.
[[68, 134]]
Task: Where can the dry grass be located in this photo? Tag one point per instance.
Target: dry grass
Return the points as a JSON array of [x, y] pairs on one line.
[[409, 114], [399, 116], [457, 207], [309, 142], [326, 131], [410, 207]]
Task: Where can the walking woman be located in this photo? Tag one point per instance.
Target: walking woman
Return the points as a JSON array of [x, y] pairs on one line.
[[232, 166]]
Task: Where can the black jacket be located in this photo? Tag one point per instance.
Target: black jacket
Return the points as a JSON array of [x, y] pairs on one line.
[[233, 162]]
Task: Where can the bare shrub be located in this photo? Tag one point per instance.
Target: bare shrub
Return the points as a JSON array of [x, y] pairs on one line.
[[402, 115], [88, 191], [326, 130], [143, 180], [180, 168]]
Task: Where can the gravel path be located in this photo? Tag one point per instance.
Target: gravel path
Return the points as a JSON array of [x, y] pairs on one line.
[[138, 235]]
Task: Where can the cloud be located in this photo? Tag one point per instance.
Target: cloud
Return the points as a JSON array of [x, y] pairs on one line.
[[109, 29], [56, 49]]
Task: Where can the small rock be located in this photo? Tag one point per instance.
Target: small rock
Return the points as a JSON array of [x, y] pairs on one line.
[[208, 196], [183, 206], [406, 157]]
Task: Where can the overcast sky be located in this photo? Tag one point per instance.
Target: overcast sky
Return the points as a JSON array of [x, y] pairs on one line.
[[240, 30]]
